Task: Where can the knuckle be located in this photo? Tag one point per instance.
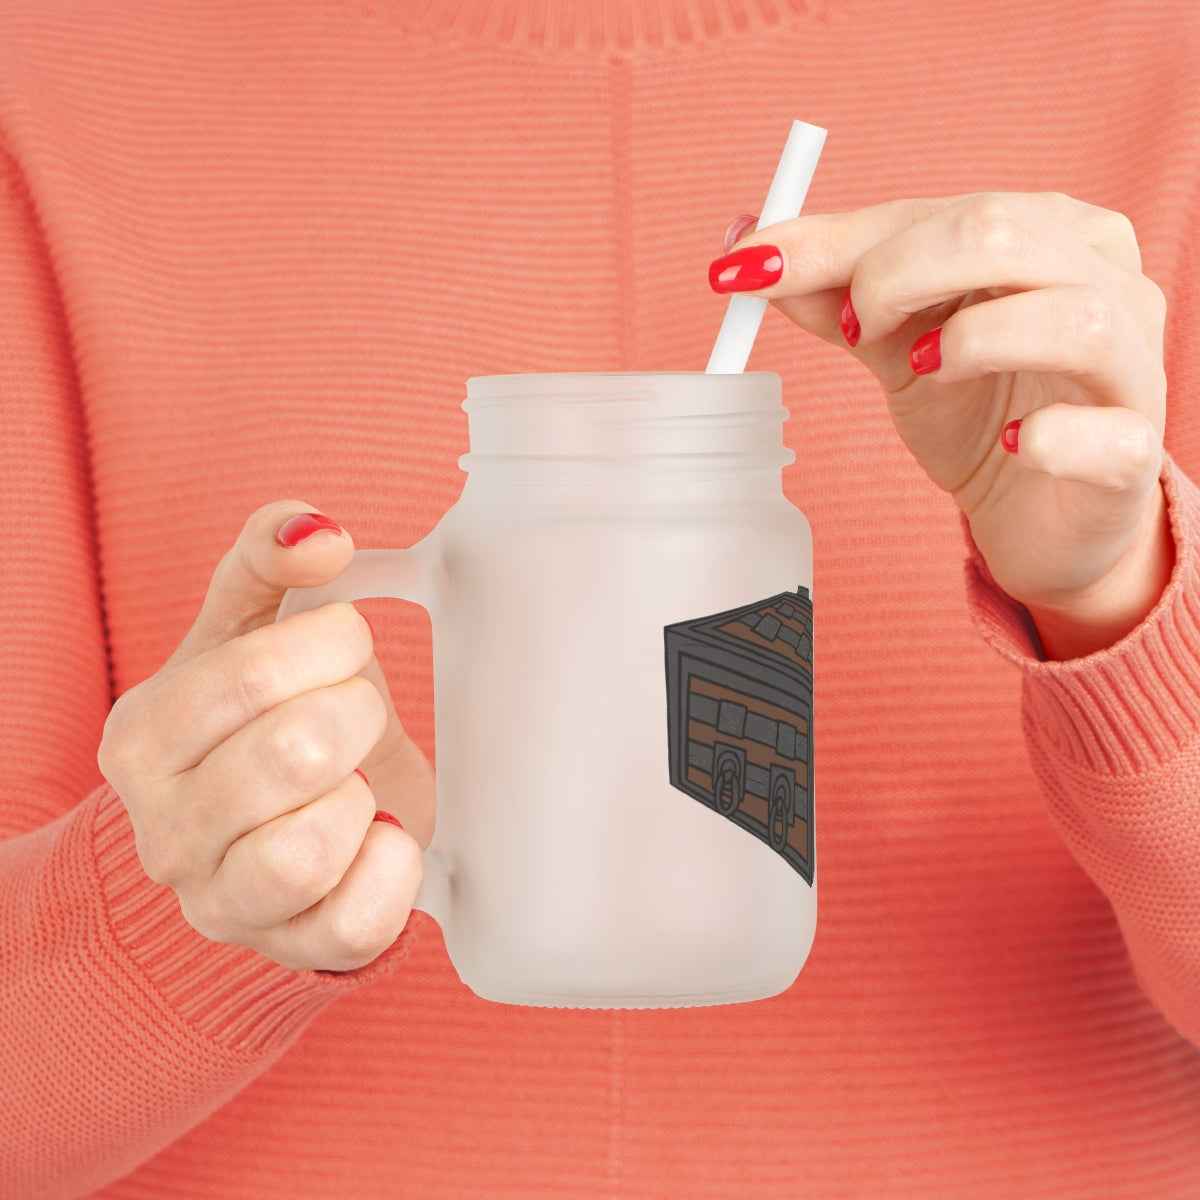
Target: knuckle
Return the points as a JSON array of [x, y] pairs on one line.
[[351, 632], [1090, 318], [994, 226], [1059, 206], [1140, 445], [298, 859], [1156, 300], [371, 711], [1112, 234], [298, 751], [969, 342], [816, 255], [160, 857], [360, 934], [1117, 476], [1126, 451], [306, 745], [112, 753], [1157, 392], [878, 285], [917, 208], [258, 679], [121, 751], [410, 865], [1117, 229], [335, 635], [206, 918]]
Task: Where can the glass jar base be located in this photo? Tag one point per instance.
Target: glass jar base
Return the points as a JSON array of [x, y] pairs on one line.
[[595, 1000]]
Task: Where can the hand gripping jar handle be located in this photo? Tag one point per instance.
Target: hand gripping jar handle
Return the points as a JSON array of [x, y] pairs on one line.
[[387, 574]]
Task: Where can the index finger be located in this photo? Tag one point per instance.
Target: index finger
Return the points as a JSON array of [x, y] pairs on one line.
[[821, 250], [190, 709]]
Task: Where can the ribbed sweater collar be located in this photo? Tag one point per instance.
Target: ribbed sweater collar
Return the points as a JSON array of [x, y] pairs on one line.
[[592, 25]]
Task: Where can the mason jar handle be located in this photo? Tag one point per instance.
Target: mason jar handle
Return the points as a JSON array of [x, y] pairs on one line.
[[400, 575], [395, 574]]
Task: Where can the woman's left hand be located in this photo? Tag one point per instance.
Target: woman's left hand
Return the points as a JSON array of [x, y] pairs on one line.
[[1019, 347]]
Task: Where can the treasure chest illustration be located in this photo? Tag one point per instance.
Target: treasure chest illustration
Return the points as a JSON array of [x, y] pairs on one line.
[[739, 707]]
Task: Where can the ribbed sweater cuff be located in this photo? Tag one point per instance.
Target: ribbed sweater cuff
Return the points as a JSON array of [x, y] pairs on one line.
[[1126, 709], [232, 996]]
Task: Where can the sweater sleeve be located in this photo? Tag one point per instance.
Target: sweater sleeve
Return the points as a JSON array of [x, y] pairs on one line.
[[1114, 739], [120, 1027]]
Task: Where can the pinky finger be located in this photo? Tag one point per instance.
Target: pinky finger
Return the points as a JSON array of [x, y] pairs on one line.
[[1112, 449], [365, 913]]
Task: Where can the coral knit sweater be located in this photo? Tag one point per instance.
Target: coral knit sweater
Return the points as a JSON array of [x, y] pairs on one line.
[[253, 250]]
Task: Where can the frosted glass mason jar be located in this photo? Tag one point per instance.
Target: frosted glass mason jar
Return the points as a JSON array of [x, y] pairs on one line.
[[622, 628]]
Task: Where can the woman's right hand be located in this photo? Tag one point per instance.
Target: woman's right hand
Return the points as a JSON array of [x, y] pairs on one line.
[[237, 762]]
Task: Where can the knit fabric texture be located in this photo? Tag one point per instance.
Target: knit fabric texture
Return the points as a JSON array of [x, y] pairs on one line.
[[253, 251]]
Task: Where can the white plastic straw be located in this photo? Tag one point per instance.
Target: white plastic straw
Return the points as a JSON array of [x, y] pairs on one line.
[[788, 189]]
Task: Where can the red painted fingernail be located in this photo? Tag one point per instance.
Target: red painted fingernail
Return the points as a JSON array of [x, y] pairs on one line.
[[851, 330], [746, 270], [380, 815], [737, 227], [926, 353], [295, 529], [1009, 436], [362, 777]]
